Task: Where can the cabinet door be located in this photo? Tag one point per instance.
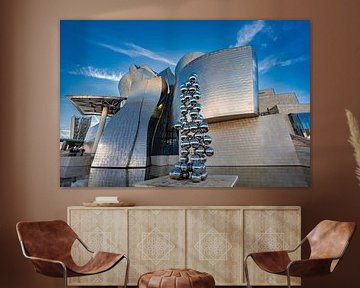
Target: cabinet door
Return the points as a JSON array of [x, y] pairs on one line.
[[156, 240], [101, 230], [214, 244], [271, 230]]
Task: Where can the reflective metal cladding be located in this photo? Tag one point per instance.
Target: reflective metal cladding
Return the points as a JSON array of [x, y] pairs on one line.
[[126, 140], [228, 80]]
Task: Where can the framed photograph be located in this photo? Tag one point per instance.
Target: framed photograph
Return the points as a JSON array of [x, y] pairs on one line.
[[185, 103]]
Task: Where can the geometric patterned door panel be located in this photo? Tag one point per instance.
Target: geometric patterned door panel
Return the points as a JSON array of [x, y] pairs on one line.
[[271, 230], [101, 230], [156, 240], [214, 244]]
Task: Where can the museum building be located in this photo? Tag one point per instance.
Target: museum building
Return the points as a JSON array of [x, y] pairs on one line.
[[248, 127]]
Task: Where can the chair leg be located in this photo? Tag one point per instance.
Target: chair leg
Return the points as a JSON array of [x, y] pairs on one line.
[[65, 276], [127, 271], [288, 278], [246, 270]]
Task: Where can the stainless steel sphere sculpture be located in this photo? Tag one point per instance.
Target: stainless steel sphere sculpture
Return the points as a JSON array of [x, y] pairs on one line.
[[194, 141]]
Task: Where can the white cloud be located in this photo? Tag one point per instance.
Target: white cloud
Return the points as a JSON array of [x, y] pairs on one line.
[[118, 50], [270, 62], [248, 32], [136, 50], [97, 73]]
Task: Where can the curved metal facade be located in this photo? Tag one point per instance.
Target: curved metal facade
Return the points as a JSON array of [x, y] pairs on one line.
[[186, 59], [126, 140], [228, 80]]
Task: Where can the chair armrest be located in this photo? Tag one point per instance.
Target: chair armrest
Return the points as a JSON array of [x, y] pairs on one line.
[[46, 260], [48, 267], [84, 245], [298, 246], [271, 261], [280, 251], [267, 254], [309, 267]]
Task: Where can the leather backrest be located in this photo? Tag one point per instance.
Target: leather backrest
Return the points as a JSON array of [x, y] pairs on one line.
[[46, 239], [329, 238]]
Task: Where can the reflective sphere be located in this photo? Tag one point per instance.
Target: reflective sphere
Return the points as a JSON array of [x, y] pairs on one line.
[[209, 151], [182, 98], [204, 175], [194, 142], [185, 175], [197, 106], [184, 152], [194, 113], [195, 158], [187, 96], [197, 95], [184, 159], [196, 85], [196, 177], [183, 166], [185, 144], [198, 119], [183, 136], [185, 129], [202, 159], [204, 127], [183, 109], [193, 127], [184, 123], [177, 125], [177, 164], [183, 89], [200, 150], [199, 135], [183, 119], [190, 106], [193, 101], [188, 84], [192, 89], [198, 167], [175, 173], [207, 140], [193, 77]]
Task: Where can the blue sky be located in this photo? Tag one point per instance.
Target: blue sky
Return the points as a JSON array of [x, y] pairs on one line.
[[94, 54]]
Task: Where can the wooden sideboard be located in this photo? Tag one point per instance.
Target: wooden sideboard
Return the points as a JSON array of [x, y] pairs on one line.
[[212, 239]]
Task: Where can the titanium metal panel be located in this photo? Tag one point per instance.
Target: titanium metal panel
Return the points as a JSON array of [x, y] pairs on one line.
[[268, 101], [256, 141], [228, 81], [124, 142]]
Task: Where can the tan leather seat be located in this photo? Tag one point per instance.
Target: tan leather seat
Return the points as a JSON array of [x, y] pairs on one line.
[[176, 278]]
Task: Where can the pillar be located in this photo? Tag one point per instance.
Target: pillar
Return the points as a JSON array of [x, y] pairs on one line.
[[100, 129]]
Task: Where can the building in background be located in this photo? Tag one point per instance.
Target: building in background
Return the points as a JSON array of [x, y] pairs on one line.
[[79, 126]]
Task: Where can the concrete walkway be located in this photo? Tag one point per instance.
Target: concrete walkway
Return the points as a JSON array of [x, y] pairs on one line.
[[211, 181]]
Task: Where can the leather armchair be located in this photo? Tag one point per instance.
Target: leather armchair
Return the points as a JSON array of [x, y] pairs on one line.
[[328, 242], [48, 245]]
